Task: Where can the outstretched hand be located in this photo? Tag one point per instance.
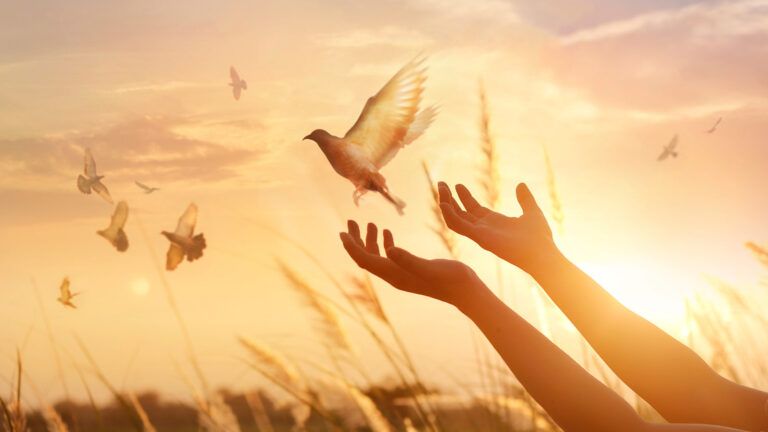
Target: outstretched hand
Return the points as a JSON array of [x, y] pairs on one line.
[[442, 279], [523, 241]]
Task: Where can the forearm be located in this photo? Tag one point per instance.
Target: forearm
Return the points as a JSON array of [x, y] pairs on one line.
[[665, 372], [574, 399]]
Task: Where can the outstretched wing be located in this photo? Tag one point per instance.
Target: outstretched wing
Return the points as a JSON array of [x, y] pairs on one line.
[[119, 217], [388, 116], [664, 154], [64, 288], [174, 256], [89, 164], [187, 221], [234, 76], [102, 191], [236, 90], [672, 144], [142, 185]]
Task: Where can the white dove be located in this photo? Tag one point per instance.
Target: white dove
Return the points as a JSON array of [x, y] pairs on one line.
[[145, 188], [91, 180], [237, 84], [114, 232], [182, 240], [669, 150], [389, 121], [65, 295]]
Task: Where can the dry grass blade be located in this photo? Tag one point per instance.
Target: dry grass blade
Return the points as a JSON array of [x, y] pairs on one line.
[[260, 416], [376, 420], [760, 252], [145, 423], [554, 196], [365, 295], [214, 415], [446, 236], [53, 421], [327, 317], [14, 418], [490, 180]]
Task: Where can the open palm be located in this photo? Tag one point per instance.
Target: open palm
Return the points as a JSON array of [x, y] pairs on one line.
[[521, 240], [446, 280]]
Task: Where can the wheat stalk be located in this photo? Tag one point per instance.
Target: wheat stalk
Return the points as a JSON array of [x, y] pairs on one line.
[[490, 180], [446, 236]]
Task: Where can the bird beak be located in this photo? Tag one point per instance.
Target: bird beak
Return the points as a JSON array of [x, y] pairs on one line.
[[306, 137]]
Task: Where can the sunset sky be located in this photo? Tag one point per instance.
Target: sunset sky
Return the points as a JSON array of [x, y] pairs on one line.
[[603, 85]]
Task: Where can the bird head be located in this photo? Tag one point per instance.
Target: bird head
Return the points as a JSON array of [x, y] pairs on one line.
[[316, 135]]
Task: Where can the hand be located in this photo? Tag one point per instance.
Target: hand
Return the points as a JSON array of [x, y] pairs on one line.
[[524, 241], [446, 280]]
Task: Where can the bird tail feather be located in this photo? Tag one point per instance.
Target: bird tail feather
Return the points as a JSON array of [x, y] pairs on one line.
[[379, 184], [196, 250]]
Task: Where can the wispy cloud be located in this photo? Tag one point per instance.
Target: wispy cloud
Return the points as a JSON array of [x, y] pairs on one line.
[[729, 17], [385, 36], [151, 147]]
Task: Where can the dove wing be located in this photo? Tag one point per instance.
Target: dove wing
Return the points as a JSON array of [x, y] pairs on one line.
[[236, 90], [119, 217], [102, 191], [388, 116], [174, 256], [142, 185], [64, 288], [187, 221], [89, 164], [672, 144], [234, 76]]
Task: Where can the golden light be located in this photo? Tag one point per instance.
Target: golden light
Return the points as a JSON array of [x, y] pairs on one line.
[[140, 287]]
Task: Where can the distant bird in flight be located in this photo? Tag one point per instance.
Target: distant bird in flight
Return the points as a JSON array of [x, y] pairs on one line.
[[91, 180], [114, 232], [389, 121], [714, 127], [182, 240], [669, 150], [237, 84], [145, 188], [65, 295]]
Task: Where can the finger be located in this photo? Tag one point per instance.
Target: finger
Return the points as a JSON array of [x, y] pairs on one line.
[[470, 203], [447, 197], [384, 268], [370, 239], [410, 262], [354, 232], [526, 199], [389, 241], [454, 221]]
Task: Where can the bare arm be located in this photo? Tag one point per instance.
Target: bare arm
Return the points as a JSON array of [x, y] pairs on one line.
[[665, 372], [574, 399]]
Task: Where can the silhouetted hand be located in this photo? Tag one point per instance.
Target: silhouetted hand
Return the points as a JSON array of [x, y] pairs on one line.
[[446, 280], [523, 241]]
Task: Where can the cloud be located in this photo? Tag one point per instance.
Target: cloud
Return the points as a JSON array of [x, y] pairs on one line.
[[146, 147], [675, 60], [725, 18], [385, 36]]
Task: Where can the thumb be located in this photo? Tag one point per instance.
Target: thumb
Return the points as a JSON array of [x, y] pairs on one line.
[[408, 261], [526, 199]]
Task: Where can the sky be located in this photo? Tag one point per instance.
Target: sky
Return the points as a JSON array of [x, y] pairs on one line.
[[603, 85]]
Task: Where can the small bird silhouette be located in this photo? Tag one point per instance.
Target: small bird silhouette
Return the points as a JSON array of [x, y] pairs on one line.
[[145, 188], [91, 180], [237, 84], [65, 295], [714, 127], [389, 121], [114, 232], [669, 150], [182, 240]]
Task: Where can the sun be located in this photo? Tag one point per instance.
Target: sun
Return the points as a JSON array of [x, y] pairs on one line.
[[140, 287]]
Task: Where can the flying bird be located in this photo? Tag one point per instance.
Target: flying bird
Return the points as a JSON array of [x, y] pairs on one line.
[[91, 181], [389, 121], [183, 241], [714, 127], [145, 188], [114, 232], [669, 150], [237, 84], [65, 295]]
